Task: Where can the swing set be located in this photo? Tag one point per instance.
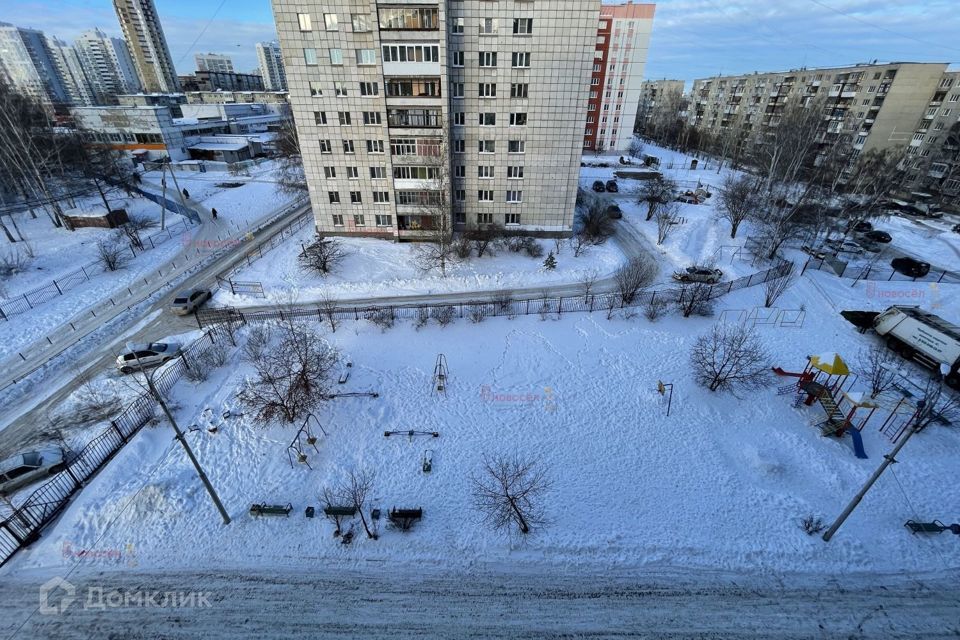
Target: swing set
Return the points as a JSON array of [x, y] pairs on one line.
[[304, 438]]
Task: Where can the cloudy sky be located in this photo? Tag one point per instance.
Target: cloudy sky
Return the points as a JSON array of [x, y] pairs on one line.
[[691, 38]]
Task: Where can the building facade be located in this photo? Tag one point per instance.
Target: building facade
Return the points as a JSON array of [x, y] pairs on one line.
[[652, 94], [148, 47], [28, 64], [471, 108], [620, 57], [932, 167], [108, 65], [213, 62], [76, 84], [270, 60], [221, 81]]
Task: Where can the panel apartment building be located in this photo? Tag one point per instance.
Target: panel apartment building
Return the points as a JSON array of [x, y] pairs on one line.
[[388, 95], [620, 56], [933, 166], [881, 102]]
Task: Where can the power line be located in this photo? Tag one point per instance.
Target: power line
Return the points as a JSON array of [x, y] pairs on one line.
[[202, 31], [877, 26]]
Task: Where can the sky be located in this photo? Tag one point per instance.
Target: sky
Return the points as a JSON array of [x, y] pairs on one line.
[[691, 38]]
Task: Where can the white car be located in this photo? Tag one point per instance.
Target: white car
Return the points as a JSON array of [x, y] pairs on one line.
[[27, 468], [847, 246], [143, 356], [189, 301]]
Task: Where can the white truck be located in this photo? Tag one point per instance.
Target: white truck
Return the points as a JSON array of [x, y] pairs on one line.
[[918, 335]]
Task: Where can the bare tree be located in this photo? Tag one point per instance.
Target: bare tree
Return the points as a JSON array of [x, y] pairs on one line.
[[634, 276], [323, 255], [484, 238], [636, 147], [730, 357], [290, 175], [579, 243], [436, 251], [878, 366], [655, 193], [938, 405], [331, 499], [665, 217], [776, 287], [695, 298], [135, 224], [587, 282], [738, 200], [594, 223], [509, 492], [107, 168], [113, 253], [356, 489], [291, 376], [328, 307]]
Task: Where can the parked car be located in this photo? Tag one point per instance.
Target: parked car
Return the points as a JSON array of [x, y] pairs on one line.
[[699, 274], [26, 468], [956, 228], [845, 246], [910, 267], [612, 186], [860, 227], [189, 301], [598, 186], [819, 254], [143, 356], [689, 198], [614, 211], [878, 236]]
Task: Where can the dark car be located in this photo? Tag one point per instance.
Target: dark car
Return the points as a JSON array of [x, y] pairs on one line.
[[878, 236], [956, 228], [614, 211], [612, 186], [598, 186], [861, 227], [910, 267]]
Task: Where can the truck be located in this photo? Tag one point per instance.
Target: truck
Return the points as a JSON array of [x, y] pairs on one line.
[[922, 336]]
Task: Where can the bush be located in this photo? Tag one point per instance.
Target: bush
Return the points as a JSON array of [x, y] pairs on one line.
[[812, 525], [323, 256], [12, 263], [655, 307], [383, 318], [113, 253], [202, 364], [532, 248], [443, 315], [421, 318], [477, 313]]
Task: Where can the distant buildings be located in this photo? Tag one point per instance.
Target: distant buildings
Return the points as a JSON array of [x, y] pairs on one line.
[[148, 46], [652, 94], [213, 62], [108, 65], [221, 80], [620, 56], [30, 64], [271, 66]]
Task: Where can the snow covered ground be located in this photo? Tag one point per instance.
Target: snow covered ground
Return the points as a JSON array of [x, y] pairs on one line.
[[721, 484]]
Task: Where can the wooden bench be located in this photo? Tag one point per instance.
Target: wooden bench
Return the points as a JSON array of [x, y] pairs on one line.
[[931, 527], [265, 509], [340, 512], [404, 519]]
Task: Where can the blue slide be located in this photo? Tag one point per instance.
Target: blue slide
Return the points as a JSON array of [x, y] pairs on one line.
[[857, 443]]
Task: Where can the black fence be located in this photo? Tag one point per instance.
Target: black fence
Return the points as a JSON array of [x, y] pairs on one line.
[[23, 526], [225, 280], [23, 302], [882, 272], [497, 304]]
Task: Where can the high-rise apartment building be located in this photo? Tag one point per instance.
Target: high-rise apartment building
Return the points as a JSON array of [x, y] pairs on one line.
[[29, 64], [654, 93], [213, 62], [108, 66], [148, 47], [620, 56], [76, 84], [392, 97], [933, 162], [270, 60]]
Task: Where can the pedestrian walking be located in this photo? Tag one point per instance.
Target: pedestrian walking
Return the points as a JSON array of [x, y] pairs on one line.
[[213, 212], [186, 194]]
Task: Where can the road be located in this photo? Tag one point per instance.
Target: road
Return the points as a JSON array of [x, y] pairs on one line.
[[403, 601]]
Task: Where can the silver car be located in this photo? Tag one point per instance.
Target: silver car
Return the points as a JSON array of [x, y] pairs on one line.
[[699, 274], [143, 356], [27, 468], [189, 301]]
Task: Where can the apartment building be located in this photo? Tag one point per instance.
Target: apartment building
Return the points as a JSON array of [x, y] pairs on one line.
[[652, 94], [108, 65], [28, 63], [391, 97], [880, 103], [933, 165], [620, 57], [221, 80], [76, 84], [148, 47], [270, 61], [213, 62]]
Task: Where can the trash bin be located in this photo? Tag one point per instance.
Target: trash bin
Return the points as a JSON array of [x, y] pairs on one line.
[[693, 163]]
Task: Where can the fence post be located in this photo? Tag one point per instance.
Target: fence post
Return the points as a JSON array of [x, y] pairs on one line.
[[527, 312], [113, 423], [591, 303], [84, 272], [943, 273], [560, 307], [804, 270], [59, 290], [356, 314], [27, 301]]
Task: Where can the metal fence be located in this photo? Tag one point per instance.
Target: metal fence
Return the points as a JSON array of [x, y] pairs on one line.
[[497, 304], [23, 526], [23, 302], [877, 272]]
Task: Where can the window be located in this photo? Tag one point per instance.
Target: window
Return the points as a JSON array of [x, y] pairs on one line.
[[340, 88], [460, 171], [418, 198], [310, 57], [414, 118], [522, 26], [334, 197], [520, 59], [459, 146], [487, 90], [456, 58], [415, 173], [596, 68], [488, 119], [374, 146], [383, 219], [488, 58], [319, 117], [514, 196], [352, 173], [356, 198], [411, 53], [329, 172], [594, 82], [358, 220], [371, 117], [457, 89], [348, 146], [519, 90], [304, 20], [336, 56], [330, 20], [484, 218], [316, 89], [516, 146], [488, 26], [518, 119], [511, 218], [485, 172], [485, 195], [456, 26], [360, 22], [459, 119], [344, 117], [337, 219], [369, 88], [325, 147], [486, 146], [413, 87], [366, 56], [515, 173], [411, 18], [378, 173]]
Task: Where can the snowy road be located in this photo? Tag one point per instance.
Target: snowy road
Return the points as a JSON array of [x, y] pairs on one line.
[[405, 602]]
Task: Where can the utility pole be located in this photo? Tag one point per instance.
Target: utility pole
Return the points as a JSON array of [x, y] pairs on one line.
[[183, 441], [888, 459]]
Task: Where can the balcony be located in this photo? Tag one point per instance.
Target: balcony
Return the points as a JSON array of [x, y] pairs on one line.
[[414, 118]]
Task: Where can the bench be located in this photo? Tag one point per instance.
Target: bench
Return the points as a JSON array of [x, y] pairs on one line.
[[265, 509], [340, 512], [404, 519], [931, 527]]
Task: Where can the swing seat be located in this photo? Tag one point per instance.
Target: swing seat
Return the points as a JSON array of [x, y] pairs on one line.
[[926, 527]]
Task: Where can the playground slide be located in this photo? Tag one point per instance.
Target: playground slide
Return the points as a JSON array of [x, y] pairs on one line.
[[781, 372], [857, 443]]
